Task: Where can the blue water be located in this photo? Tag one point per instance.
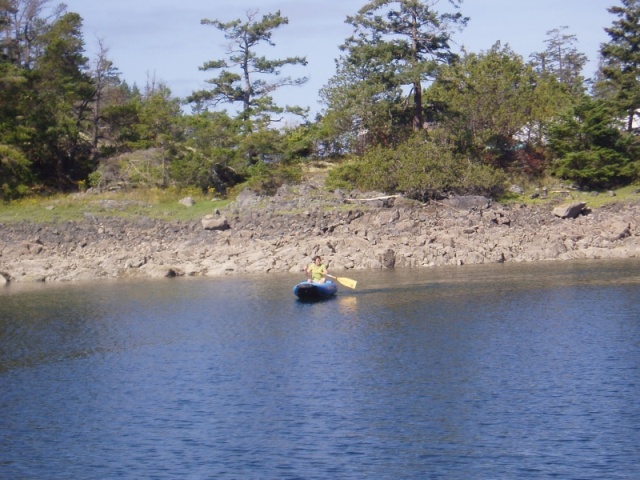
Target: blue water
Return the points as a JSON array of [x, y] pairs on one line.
[[487, 372]]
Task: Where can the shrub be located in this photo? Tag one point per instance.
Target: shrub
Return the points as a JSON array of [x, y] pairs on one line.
[[420, 169], [591, 150], [344, 177], [14, 172], [267, 178]]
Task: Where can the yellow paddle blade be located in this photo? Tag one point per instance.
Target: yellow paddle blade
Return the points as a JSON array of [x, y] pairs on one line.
[[347, 282]]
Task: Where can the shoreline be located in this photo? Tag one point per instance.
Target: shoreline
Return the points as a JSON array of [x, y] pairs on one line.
[[281, 234]]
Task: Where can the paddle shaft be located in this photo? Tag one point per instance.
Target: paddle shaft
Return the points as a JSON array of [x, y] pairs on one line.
[[347, 282]]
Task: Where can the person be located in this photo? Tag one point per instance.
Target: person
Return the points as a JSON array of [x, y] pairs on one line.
[[316, 270]]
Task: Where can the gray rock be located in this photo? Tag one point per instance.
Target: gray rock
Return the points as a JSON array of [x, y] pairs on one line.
[[569, 210], [276, 235], [247, 198], [388, 259], [215, 222], [468, 202]]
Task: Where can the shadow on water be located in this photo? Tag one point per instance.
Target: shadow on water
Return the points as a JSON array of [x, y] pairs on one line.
[[317, 300]]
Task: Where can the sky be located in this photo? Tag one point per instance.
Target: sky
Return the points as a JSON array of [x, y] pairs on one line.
[[164, 39]]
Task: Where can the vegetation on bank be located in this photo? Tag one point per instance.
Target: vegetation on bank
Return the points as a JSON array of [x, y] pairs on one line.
[[403, 113], [164, 204], [161, 204]]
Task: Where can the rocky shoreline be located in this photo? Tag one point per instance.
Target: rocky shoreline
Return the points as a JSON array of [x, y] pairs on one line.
[[350, 231]]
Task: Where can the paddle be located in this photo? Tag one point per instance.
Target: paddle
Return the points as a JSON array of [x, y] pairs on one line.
[[347, 282]]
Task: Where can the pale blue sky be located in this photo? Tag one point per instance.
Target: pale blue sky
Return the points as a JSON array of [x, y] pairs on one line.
[[164, 38]]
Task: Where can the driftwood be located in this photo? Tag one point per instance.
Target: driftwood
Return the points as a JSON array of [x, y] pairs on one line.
[[356, 200]]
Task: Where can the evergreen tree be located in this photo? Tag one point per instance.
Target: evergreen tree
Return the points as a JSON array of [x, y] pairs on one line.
[[59, 104], [363, 108], [620, 66], [403, 42], [562, 61], [591, 150], [106, 83], [494, 105], [245, 77], [26, 22]]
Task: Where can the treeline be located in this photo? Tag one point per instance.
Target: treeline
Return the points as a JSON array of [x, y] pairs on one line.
[[403, 112]]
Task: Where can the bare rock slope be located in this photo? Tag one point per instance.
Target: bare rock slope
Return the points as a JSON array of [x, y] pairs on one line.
[[258, 234]]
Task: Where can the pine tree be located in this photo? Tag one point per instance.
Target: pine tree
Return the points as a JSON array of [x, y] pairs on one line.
[[404, 41], [620, 67], [246, 77]]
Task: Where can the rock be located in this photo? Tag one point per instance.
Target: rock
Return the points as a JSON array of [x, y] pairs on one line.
[[187, 202], [280, 234], [247, 198], [215, 222], [468, 202], [569, 210], [619, 230], [386, 217], [388, 259]]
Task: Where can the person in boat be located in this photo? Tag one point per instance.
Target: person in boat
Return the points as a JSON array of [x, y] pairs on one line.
[[317, 270]]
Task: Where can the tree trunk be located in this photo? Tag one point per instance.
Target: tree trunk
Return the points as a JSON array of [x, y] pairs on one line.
[[418, 118]]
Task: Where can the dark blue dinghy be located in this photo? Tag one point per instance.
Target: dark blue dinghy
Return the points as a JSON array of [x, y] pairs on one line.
[[315, 291]]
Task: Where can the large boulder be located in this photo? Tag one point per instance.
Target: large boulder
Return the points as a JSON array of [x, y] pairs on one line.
[[569, 210]]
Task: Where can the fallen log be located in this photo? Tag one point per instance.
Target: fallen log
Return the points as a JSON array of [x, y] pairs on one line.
[[356, 200]]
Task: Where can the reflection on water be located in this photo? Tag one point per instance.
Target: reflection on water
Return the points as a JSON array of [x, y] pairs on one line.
[[502, 371]]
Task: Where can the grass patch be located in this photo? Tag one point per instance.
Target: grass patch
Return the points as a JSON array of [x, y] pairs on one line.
[[565, 195], [152, 203], [628, 193]]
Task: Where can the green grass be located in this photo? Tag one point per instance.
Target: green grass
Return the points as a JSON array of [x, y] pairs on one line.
[[164, 204], [152, 203], [621, 195], [566, 195]]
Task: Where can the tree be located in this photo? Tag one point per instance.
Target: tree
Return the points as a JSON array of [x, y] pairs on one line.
[[211, 155], [46, 91], [493, 102], [620, 60], [405, 41], [56, 107], [363, 107], [15, 174], [106, 82], [591, 150], [159, 124], [562, 60], [25, 24], [245, 77], [119, 118]]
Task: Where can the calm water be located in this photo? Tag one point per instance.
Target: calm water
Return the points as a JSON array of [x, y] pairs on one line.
[[488, 372]]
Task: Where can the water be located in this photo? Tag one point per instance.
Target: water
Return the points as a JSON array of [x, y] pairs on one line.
[[487, 372]]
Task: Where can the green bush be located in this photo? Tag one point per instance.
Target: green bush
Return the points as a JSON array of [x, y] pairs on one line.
[[591, 150], [267, 178], [597, 168], [14, 172], [420, 169], [344, 177]]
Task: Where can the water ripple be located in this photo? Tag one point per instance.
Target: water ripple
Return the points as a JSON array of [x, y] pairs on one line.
[[495, 373]]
